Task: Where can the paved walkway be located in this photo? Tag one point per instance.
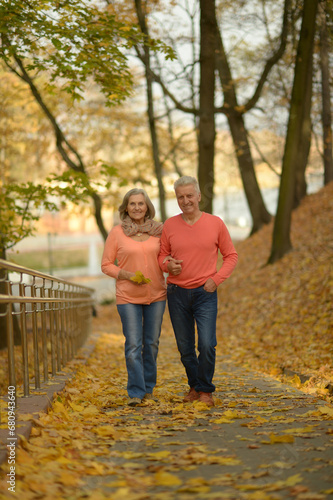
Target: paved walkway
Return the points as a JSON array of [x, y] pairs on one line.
[[262, 441]]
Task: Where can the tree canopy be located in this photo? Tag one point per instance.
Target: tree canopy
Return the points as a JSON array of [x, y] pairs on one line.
[[73, 41], [246, 82]]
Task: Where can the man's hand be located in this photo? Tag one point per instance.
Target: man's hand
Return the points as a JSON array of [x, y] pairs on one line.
[[210, 285], [174, 266]]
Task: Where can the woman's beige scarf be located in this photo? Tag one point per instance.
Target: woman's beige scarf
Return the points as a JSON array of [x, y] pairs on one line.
[[149, 226]]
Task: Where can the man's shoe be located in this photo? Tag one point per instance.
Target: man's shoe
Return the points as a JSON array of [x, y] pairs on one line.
[[206, 397], [134, 401], [192, 395]]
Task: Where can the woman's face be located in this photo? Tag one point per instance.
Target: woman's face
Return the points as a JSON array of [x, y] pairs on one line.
[[137, 208]]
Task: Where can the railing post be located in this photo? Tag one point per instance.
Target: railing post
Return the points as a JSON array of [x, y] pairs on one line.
[[62, 329], [68, 328], [35, 335], [44, 334], [10, 341], [25, 356], [56, 306], [52, 337]]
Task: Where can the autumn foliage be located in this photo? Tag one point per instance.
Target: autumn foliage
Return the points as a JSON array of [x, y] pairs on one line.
[[280, 316]]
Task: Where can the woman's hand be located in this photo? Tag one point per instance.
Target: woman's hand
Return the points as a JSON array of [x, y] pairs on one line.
[[125, 275]]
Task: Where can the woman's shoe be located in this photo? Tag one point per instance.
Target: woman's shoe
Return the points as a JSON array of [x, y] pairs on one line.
[[149, 397], [134, 401]]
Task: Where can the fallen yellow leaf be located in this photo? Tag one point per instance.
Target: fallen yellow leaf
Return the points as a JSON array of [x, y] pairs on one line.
[[326, 410], [76, 407], [298, 430], [279, 439], [69, 479], [163, 478], [105, 430], [159, 455]]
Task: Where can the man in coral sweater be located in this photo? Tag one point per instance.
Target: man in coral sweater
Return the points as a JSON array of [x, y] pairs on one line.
[[193, 239]]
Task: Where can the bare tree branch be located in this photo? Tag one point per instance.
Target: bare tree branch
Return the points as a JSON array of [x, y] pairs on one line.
[[272, 60]]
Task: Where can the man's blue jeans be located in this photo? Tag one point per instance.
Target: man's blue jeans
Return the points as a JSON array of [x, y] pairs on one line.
[[188, 307], [142, 329]]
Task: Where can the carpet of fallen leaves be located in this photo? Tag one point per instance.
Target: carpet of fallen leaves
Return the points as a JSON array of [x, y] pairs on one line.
[[91, 445], [278, 317]]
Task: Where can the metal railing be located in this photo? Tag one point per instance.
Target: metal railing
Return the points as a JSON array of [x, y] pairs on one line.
[[53, 314]]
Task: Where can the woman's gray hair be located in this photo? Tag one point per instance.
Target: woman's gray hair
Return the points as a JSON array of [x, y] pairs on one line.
[[123, 207], [185, 181]]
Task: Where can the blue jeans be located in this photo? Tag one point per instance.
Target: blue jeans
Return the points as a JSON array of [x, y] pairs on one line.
[[187, 307], [142, 329]]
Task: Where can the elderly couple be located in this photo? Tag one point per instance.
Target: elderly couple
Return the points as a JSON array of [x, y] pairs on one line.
[[186, 247]]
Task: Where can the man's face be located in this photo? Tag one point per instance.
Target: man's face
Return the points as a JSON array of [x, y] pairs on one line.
[[188, 199]]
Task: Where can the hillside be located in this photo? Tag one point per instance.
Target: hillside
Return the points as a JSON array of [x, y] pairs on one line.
[[278, 317]]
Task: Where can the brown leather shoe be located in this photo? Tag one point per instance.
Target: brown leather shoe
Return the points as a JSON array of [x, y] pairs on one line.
[[206, 397], [192, 395]]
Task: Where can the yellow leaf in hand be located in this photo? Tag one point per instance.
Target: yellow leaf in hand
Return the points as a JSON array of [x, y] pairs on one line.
[[139, 278]]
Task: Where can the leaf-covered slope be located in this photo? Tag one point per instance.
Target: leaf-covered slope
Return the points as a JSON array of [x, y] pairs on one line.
[[281, 316]]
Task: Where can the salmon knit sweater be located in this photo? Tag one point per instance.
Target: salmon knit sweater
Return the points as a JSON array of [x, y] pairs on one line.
[[197, 246], [134, 256]]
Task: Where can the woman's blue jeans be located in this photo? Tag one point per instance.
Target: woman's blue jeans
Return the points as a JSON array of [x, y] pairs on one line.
[[142, 328], [188, 307]]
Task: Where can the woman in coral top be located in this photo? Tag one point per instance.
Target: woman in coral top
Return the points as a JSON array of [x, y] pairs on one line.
[[135, 245]]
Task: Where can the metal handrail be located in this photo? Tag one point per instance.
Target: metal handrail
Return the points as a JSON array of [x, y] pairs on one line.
[[10, 266], [58, 313], [4, 299]]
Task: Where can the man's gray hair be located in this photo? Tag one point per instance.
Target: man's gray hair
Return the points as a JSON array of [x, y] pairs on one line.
[[185, 181]]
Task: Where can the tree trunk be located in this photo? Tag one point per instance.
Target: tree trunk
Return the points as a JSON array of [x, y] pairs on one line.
[[326, 96], [231, 109], [281, 234], [305, 140], [259, 212], [206, 140], [150, 109]]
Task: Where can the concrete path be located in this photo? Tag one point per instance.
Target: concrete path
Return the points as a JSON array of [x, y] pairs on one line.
[[262, 441]]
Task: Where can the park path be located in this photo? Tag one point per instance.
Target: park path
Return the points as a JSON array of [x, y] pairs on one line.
[[263, 440]]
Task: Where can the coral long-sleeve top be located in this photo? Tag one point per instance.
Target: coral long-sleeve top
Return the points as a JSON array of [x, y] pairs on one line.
[[197, 246], [134, 256]]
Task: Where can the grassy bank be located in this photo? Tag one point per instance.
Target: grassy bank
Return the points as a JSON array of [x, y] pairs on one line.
[[61, 259]]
